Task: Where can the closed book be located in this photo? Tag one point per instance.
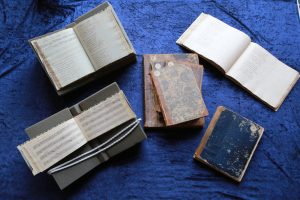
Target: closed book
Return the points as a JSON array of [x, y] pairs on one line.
[[177, 91], [152, 111], [229, 143]]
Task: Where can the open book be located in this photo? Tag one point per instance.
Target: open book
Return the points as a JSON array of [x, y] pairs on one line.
[[55, 144], [96, 151], [90, 44], [243, 61]]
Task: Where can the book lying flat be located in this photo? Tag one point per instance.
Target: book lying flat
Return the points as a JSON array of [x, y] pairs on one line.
[[177, 91], [94, 45], [97, 120], [243, 61], [229, 143], [152, 111]]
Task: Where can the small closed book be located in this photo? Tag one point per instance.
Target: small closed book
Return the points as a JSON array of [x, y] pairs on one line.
[[75, 140], [152, 110], [246, 63], [229, 143], [177, 91], [93, 45]]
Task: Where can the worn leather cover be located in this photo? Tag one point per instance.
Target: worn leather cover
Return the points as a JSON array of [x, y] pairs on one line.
[[229, 143], [152, 111], [177, 91], [162, 166]]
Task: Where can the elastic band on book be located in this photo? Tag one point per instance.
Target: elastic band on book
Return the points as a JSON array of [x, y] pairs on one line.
[[97, 150]]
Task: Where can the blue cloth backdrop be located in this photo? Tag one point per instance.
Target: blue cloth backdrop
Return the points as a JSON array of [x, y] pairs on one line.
[[161, 167]]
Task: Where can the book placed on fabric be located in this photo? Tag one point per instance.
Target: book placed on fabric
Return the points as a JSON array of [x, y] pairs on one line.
[[75, 140], [177, 91], [92, 46], [229, 143], [152, 111], [243, 61], [298, 6]]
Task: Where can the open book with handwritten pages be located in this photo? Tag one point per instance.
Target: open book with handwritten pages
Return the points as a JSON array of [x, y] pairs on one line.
[[93, 42], [243, 61]]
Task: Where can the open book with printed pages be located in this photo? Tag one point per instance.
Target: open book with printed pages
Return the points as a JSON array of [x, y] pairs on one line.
[[75, 140], [93, 45], [243, 61]]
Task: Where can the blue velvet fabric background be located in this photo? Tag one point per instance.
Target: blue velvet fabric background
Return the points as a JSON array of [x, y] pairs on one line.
[[162, 166]]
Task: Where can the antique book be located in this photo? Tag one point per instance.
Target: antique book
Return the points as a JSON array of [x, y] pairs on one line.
[[94, 45], [244, 62], [229, 143], [177, 91], [75, 140], [298, 6], [152, 112]]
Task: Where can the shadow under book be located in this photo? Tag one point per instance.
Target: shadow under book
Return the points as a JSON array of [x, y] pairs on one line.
[[103, 134], [92, 46]]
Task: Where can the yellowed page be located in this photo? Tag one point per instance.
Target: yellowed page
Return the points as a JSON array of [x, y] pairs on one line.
[[264, 75], [50, 147], [102, 39], [105, 116], [215, 41], [63, 57]]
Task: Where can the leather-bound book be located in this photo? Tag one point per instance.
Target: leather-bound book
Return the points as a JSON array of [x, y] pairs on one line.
[[229, 143], [152, 111], [177, 91]]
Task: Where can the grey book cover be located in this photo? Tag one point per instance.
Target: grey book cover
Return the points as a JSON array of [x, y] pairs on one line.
[[67, 176], [121, 62]]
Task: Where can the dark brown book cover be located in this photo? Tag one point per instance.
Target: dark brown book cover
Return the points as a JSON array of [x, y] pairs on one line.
[[152, 113], [177, 90], [229, 143]]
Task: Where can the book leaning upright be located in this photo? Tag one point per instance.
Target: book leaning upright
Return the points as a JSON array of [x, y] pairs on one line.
[[93, 45], [243, 61]]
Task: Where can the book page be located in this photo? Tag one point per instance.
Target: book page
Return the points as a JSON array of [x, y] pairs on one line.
[[102, 39], [105, 116], [215, 41], [63, 57], [50, 147], [264, 75]]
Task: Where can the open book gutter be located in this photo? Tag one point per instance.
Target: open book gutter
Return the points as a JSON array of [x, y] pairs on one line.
[[97, 150]]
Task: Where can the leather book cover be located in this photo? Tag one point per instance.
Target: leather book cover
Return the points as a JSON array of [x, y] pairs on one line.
[[229, 143], [177, 91], [152, 112]]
